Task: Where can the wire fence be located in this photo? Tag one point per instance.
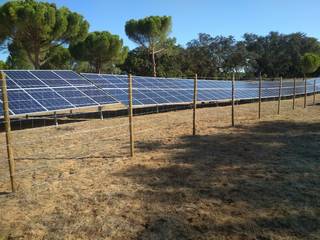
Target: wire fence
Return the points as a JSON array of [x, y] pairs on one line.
[[42, 149]]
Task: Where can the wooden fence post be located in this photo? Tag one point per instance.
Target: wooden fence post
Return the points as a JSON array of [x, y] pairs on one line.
[[280, 94], [232, 99], [8, 130], [195, 97], [260, 95], [314, 91], [294, 93], [305, 92], [130, 111]]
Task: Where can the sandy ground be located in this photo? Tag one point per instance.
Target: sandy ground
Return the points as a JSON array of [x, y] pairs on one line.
[[259, 180]]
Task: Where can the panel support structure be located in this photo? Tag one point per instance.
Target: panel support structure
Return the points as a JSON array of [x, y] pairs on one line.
[[8, 131]]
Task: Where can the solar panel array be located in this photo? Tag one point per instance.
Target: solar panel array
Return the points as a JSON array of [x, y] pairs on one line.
[[160, 91], [43, 91], [47, 91]]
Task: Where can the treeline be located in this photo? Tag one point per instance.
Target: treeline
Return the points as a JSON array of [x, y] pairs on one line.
[[38, 35]]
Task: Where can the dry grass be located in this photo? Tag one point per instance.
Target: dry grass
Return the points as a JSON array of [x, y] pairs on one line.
[[259, 180]]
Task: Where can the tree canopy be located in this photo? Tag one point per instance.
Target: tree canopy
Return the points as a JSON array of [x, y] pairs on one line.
[[278, 54], [39, 35], [169, 64], [100, 49], [38, 27], [150, 33], [3, 65], [310, 63]]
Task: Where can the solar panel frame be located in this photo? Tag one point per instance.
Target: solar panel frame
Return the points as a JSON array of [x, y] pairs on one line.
[[147, 91], [208, 90], [41, 104]]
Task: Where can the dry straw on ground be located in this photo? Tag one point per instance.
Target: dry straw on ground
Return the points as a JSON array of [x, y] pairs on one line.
[[259, 180]]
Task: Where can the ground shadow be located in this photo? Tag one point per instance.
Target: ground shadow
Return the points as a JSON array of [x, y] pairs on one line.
[[256, 182]]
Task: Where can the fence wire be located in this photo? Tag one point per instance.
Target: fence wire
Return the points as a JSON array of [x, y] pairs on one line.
[[45, 145]]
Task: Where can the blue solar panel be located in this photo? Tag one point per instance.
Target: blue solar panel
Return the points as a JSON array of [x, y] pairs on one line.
[[44, 90], [76, 97], [50, 78], [49, 99], [20, 103], [97, 95], [72, 78], [24, 79], [155, 91]]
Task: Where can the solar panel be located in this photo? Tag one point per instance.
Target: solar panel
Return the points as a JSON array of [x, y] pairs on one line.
[[45, 90], [21, 102], [161, 91], [72, 78], [49, 99], [75, 97], [50, 78]]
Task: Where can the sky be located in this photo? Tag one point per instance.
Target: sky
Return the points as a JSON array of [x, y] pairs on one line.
[[190, 17]]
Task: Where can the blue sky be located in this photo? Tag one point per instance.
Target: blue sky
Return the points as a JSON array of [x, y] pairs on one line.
[[190, 17]]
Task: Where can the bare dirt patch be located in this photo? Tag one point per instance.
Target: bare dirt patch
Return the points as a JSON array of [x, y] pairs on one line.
[[259, 180]]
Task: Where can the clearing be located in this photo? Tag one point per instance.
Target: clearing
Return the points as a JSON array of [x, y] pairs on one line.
[[259, 180]]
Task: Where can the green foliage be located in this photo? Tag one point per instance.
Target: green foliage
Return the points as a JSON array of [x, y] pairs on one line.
[[3, 65], [310, 63], [37, 34], [58, 58], [138, 62], [81, 66], [101, 49], [278, 54], [38, 27], [212, 56], [18, 57], [150, 33], [169, 64]]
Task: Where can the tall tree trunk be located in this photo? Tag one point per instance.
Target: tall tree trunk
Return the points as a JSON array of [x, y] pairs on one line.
[[98, 67], [37, 60], [154, 63]]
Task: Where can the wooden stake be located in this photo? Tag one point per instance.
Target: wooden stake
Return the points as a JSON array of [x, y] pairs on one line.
[[305, 92], [280, 93], [294, 94], [8, 131], [195, 97], [232, 99], [260, 95], [130, 113], [314, 91]]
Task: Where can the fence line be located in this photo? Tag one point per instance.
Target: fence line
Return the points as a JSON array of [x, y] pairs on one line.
[[133, 117]]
